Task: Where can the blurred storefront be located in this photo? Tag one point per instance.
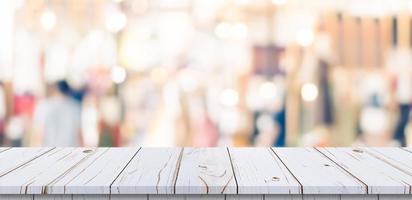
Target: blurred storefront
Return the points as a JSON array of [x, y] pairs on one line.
[[206, 72]]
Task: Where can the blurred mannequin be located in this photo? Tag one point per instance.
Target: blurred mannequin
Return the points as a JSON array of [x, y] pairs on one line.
[[57, 118]]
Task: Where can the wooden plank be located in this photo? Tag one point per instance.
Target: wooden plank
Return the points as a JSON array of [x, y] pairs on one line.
[[32, 177], [321, 197], [205, 171], [379, 176], [95, 174], [283, 197], [53, 197], [244, 197], [152, 171], [15, 197], [407, 149], [259, 171], [396, 157], [91, 197], [16, 157], [129, 197], [4, 149], [394, 197], [187, 197], [317, 174], [359, 197]]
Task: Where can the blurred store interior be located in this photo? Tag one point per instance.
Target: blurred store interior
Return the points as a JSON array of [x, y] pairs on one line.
[[205, 73]]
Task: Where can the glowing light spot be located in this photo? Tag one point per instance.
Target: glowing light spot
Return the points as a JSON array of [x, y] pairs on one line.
[[309, 92], [229, 97]]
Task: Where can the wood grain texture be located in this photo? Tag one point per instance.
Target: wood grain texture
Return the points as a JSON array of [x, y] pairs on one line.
[[205, 171], [379, 176], [152, 171], [95, 174], [4, 149], [396, 157], [259, 171], [16, 157], [32, 177], [317, 174]]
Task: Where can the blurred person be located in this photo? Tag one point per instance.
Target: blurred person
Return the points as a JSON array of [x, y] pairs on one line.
[[57, 119], [15, 130], [110, 110]]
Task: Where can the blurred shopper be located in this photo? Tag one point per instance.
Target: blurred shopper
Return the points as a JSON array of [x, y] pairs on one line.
[[57, 118]]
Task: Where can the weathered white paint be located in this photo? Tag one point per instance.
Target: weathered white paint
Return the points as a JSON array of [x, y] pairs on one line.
[[32, 177], [152, 171], [380, 177], [4, 149], [317, 174], [400, 159], [259, 171], [95, 174], [16, 157], [205, 171]]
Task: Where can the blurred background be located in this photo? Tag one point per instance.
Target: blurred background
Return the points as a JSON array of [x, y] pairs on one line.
[[205, 73]]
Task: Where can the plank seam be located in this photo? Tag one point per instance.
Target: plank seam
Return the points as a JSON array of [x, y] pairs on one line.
[[367, 187], [233, 170], [27, 162], [84, 169], [5, 149], [405, 149], [69, 170], [301, 185], [177, 170], [369, 151], [127, 164]]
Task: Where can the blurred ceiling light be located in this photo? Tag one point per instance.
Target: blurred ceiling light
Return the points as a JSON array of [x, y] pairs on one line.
[[229, 97], [118, 74], [117, 1], [267, 90], [240, 31], [115, 21], [225, 30], [305, 37], [279, 2], [48, 20], [309, 92]]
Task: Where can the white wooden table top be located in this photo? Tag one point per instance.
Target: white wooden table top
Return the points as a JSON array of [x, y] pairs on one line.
[[205, 170]]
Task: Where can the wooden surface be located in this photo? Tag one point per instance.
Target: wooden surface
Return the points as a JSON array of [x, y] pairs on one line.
[[205, 173]]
